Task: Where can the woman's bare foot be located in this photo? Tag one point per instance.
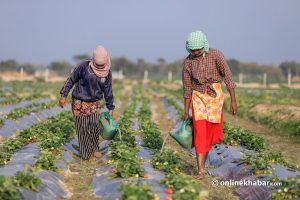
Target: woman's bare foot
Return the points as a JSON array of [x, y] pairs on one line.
[[97, 154], [201, 175], [93, 159]]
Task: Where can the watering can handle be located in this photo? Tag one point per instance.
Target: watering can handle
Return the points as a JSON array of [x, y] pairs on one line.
[[107, 116], [188, 121]]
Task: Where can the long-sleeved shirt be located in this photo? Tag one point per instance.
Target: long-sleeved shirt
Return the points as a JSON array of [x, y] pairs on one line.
[[200, 73], [88, 86]]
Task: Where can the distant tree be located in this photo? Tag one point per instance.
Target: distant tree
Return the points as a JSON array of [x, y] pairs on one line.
[[161, 61], [290, 65], [235, 66], [129, 67], [9, 65], [141, 62], [81, 57], [62, 68], [28, 68]]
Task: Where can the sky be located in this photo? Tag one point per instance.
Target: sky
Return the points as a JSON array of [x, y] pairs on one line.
[[261, 31]]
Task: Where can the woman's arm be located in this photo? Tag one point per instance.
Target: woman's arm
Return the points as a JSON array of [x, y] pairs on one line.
[[187, 103], [227, 75], [108, 94], [187, 89], [233, 104], [72, 79]]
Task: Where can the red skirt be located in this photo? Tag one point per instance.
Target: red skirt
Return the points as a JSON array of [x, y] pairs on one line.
[[206, 134]]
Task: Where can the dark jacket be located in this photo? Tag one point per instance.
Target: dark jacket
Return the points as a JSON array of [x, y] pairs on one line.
[[89, 87]]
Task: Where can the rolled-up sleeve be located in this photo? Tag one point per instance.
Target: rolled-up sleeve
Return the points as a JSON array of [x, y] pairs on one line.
[[72, 79], [108, 92], [225, 70], [187, 81]]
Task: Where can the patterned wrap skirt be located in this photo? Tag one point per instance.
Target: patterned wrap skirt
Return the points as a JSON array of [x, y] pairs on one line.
[[207, 119], [87, 124]]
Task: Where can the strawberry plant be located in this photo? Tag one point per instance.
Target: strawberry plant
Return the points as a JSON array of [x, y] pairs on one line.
[[15, 98], [8, 191], [46, 160], [166, 161], [184, 187], [151, 134], [125, 126], [173, 103], [9, 186], [136, 190], [1, 122], [52, 133], [123, 150], [32, 108], [289, 188], [246, 138], [27, 179], [260, 162], [127, 164]]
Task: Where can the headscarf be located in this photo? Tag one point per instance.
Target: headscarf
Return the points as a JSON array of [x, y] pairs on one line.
[[197, 40], [100, 57]]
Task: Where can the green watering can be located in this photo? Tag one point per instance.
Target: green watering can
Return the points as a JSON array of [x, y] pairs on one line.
[[109, 127], [184, 136]]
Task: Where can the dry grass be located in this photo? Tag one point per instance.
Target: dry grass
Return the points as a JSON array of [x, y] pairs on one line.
[[80, 179]]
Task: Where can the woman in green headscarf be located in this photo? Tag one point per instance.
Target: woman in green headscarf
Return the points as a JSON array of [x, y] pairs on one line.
[[203, 72]]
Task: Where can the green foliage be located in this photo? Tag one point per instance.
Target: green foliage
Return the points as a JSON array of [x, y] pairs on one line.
[[52, 134], [9, 65], [32, 108], [62, 68], [247, 138], [151, 133], [14, 98], [248, 99], [184, 187], [46, 160], [8, 191], [173, 103], [167, 161], [289, 189], [1, 122], [9, 186], [81, 57], [123, 150], [136, 190], [290, 65], [260, 162], [27, 179], [125, 127]]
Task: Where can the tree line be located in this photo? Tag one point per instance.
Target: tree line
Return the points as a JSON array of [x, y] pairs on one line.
[[160, 68]]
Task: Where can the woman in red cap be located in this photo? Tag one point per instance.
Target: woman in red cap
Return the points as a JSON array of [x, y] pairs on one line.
[[92, 80]]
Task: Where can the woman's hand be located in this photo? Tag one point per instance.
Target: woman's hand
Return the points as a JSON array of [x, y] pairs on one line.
[[111, 113], [187, 103], [62, 102], [233, 107], [185, 117], [233, 104]]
